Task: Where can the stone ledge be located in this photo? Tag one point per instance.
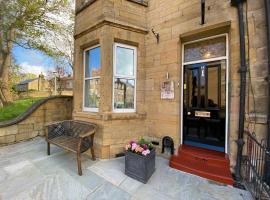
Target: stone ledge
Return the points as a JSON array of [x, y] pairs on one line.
[[114, 23], [206, 31], [141, 2], [34, 107], [123, 116], [110, 116]]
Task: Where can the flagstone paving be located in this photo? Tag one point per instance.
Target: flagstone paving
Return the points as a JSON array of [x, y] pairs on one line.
[[27, 173]]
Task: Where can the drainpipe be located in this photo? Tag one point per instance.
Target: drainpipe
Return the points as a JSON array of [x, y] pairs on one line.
[[267, 13], [242, 71]]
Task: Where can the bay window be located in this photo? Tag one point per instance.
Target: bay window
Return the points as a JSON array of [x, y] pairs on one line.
[[92, 67], [124, 78]]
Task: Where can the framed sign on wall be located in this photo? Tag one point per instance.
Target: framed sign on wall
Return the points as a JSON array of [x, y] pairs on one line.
[[167, 90]]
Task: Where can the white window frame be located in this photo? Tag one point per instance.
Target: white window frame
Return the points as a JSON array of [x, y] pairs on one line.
[[115, 75], [88, 109]]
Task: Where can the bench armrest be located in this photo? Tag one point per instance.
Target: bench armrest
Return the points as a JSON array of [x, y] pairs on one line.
[[87, 134]]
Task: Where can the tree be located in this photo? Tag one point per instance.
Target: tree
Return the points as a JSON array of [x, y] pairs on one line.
[[57, 74], [31, 24], [15, 76]]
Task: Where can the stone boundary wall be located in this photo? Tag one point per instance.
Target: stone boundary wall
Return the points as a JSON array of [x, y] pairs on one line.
[[44, 93], [35, 94], [32, 122]]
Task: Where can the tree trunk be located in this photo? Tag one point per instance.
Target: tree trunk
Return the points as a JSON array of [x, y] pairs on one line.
[[5, 63]]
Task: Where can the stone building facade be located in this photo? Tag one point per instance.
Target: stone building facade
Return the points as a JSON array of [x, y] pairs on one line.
[[32, 122], [110, 25], [35, 84]]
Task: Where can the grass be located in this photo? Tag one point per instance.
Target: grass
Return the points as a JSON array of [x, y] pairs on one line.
[[16, 108]]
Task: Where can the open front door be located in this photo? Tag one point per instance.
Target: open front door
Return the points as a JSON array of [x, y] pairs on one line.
[[204, 105]]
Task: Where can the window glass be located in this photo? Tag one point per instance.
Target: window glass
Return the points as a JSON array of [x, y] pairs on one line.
[[205, 49], [92, 79], [124, 61], [124, 78], [124, 93], [92, 62], [92, 93]]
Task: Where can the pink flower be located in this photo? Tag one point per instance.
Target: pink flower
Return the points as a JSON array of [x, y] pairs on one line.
[[128, 146], [133, 146], [138, 149], [146, 152], [145, 146]]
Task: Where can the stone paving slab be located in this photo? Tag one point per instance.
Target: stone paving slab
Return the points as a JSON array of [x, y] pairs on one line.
[[166, 183], [27, 173]]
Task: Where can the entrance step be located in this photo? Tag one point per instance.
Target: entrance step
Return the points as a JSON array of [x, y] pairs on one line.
[[212, 157], [206, 163]]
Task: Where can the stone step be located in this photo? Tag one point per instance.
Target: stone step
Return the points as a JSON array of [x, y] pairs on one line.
[[206, 163]]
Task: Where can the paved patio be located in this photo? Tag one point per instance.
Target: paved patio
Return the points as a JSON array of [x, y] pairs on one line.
[[26, 172]]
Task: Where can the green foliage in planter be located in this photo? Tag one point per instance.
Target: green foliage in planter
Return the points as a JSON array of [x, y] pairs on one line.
[[142, 142]]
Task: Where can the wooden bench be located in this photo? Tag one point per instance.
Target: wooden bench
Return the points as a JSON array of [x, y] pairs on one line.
[[72, 135]]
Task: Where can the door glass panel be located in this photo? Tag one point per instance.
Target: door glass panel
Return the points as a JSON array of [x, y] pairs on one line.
[[185, 88], [223, 84], [212, 87], [202, 86], [205, 49], [193, 82]]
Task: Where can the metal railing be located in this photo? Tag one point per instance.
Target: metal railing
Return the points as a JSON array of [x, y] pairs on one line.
[[256, 168]]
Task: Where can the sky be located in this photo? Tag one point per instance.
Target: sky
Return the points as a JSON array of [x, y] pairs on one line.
[[32, 61]]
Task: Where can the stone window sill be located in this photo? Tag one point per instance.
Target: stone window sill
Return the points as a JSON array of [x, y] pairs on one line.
[[122, 116], [141, 2], [110, 116]]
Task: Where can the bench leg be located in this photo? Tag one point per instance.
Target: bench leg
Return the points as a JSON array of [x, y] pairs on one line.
[[79, 163], [48, 149], [93, 153]]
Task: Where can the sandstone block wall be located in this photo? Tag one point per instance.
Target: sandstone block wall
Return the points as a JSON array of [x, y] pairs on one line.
[[115, 129], [176, 21], [54, 109]]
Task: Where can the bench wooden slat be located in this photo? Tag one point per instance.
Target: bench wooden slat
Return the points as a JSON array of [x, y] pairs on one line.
[[66, 142], [72, 135]]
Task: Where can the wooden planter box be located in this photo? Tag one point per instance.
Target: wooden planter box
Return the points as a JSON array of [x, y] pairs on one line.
[[140, 167]]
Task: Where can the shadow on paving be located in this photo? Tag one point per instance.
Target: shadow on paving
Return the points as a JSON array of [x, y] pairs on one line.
[[26, 172]]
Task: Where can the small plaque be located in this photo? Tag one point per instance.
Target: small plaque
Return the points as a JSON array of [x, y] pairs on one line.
[[202, 114], [167, 90]]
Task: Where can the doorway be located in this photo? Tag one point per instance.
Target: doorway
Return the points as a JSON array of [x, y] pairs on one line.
[[204, 93]]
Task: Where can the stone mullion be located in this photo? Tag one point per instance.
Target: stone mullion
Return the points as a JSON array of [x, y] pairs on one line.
[[106, 42]]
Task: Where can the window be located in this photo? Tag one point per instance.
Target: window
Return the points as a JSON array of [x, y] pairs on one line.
[[205, 49], [124, 78], [92, 66]]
